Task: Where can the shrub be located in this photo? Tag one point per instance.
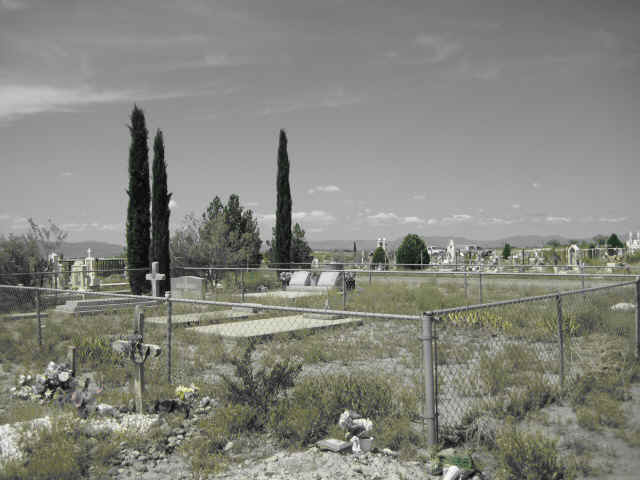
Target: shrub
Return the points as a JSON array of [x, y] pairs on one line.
[[527, 456], [259, 390], [62, 451], [315, 405], [413, 251], [379, 257]]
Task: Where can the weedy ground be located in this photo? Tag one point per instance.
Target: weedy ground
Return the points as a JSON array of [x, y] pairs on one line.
[[499, 364]]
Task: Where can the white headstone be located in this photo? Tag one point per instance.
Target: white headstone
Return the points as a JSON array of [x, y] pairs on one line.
[[572, 255], [300, 279], [330, 279], [187, 284]]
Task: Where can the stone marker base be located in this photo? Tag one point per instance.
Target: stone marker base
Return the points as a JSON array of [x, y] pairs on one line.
[[102, 304]]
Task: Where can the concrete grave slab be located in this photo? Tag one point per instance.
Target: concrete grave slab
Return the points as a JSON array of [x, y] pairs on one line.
[[272, 326]]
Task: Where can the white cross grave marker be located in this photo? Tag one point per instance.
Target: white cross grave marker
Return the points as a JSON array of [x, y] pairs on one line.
[[155, 277]]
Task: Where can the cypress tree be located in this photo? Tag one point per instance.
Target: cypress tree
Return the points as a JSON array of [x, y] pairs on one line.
[[160, 213], [282, 240], [138, 221]]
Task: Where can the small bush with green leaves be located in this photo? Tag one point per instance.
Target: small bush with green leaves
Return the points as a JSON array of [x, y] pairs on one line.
[[527, 456], [315, 404], [62, 451], [260, 389]]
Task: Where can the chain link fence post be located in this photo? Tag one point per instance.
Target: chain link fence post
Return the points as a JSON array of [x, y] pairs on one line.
[[242, 283], [560, 339], [582, 274], [638, 318], [466, 285], [167, 295], [38, 318], [370, 274], [71, 357], [480, 284], [429, 412], [344, 291]]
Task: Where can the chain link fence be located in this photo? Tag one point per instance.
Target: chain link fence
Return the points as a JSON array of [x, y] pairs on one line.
[[507, 358], [465, 361]]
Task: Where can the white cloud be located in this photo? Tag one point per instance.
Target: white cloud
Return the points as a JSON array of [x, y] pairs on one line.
[[4, 216], [14, 4], [100, 227], [552, 219], [536, 185], [613, 220], [172, 204], [24, 100], [312, 219], [437, 47], [324, 189], [432, 221], [458, 218], [419, 196], [18, 100], [390, 218], [515, 205], [66, 174], [336, 98]]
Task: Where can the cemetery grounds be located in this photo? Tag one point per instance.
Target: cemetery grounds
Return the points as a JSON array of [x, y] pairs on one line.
[[505, 394]]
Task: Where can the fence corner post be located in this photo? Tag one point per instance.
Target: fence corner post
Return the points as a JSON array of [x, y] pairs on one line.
[[429, 412], [38, 318], [167, 295], [560, 339], [638, 318], [71, 357]]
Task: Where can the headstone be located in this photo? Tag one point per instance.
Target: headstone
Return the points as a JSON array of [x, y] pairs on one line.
[[572, 255], [155, 277], [78, 275], [330, 279], [300, 279], [91, 269], [187, 285]]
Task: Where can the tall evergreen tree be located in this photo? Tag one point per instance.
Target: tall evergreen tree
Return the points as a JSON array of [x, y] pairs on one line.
[[282, 240], [160, 213], [138, 218]]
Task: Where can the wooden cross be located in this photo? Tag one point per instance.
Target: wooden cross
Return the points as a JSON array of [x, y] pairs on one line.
[[138, 352], [155, 277]]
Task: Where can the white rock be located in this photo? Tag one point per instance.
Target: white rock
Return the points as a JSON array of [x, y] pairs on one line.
[[452, 473], [64, 376], [623, 307]]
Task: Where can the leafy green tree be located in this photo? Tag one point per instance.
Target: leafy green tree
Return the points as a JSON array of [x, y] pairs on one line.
[[412, 250], [138, 217], [379, 257], [301, 252], [506, 251], [224, 235], [19, 254], [613, 242], [282, 239], [160, 213]]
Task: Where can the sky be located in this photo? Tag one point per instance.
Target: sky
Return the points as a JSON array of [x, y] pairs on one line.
[[448, 117]]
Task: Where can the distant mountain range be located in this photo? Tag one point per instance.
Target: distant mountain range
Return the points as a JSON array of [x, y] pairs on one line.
[[515, 241], [98, 249]]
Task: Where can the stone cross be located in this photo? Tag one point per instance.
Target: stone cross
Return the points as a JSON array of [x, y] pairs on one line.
[[138, 352], [155, 277]]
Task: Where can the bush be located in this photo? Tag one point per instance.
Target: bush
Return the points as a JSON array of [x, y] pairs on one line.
[[379, 257], [61, 451], [259, 390], [412, 250], [527, 456], [315, 404]]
